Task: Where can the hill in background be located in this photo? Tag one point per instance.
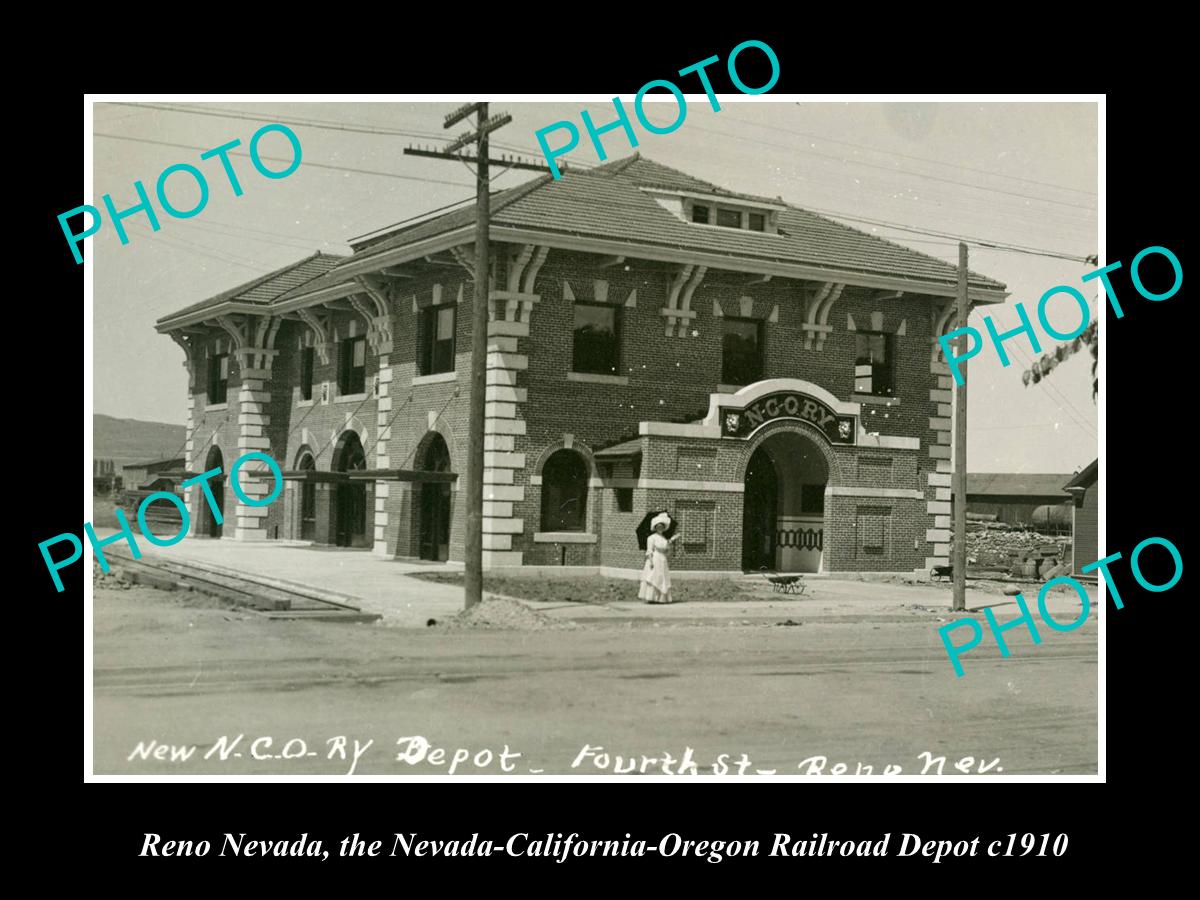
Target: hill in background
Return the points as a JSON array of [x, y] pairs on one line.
[[128, 441]]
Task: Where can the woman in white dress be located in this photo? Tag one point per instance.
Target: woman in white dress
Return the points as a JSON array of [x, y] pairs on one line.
[[656, 575]]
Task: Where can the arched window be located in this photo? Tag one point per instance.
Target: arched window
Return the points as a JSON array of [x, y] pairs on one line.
[[564, 492]]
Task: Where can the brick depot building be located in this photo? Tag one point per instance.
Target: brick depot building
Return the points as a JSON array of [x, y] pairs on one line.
[[769, 376]]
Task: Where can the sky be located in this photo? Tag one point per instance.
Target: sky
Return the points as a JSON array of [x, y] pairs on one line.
[[1015, 173]]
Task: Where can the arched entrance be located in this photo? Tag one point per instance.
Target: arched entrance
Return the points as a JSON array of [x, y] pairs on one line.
[[350, 505], [308, 500], [210, 527], [434, 502], [759, 512], [783, 507]]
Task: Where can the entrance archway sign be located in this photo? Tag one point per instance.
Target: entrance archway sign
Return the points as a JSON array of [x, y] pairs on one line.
[[744, 421], [768, 400]]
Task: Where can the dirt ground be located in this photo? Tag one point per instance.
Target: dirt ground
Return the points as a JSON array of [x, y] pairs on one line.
[[542, 588], [186, 686], [552, 588]]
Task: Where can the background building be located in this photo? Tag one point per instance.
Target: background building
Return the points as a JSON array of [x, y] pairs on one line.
[[1033, 501], [770, 376], [1085, 522]]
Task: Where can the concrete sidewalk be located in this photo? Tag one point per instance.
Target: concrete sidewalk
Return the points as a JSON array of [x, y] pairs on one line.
[[384, 586]]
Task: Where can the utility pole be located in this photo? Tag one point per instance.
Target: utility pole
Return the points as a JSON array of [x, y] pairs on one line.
[[959, 558], [473, 582]]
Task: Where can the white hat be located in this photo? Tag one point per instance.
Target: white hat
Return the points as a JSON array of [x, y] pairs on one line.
[[661, 519]]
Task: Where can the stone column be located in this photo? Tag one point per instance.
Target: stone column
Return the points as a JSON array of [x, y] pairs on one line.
[[253, 397], [188, 463], [504, 420], [382, 459], [937, 493]]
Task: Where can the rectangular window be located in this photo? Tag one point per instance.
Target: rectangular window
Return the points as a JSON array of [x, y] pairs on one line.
[[353, 375], [218, 378], [871, 530], [597, 339], [696, 521], [741, 351], [729, 218], [306, 373], [758, 222], [437, 339], [624, 499], [874, 363], [700, 214]]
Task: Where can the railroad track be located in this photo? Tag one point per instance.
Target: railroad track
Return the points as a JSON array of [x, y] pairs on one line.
[[271, 598]]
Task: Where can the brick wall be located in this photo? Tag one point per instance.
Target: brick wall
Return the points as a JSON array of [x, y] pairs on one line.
[[534, 409]]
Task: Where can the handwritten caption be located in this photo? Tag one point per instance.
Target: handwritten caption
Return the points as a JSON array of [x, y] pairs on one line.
[[416, 750]]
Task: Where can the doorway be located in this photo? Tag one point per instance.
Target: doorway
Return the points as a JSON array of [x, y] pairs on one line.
[[308, 500], [758, 517], [783, 512], [211, 527], [434, 526], [350, 507]]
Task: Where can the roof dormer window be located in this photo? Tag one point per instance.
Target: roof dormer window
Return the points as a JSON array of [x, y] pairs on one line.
[[729, 218], [719, 211]]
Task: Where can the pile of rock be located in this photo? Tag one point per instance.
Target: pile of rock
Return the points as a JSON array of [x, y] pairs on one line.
[[1022, 554], [110, 580]]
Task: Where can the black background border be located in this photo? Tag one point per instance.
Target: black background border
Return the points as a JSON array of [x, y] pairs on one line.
[[1145, 203]]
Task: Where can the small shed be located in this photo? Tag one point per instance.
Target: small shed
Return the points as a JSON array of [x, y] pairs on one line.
[[141, 475]]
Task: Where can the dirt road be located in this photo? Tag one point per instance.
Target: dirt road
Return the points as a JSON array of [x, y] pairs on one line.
[[192, 676]]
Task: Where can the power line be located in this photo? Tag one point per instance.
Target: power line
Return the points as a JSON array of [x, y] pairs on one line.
[[222, 113], [891, 169], [1072, 411], [169, 240], [249, 228], [981, 242], [121, 137], [977, 241], [924, 159], [295, 244]]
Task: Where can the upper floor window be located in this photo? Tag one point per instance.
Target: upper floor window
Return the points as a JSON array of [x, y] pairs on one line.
[[874, 363], [218, 378], [436, 331], [597, 339], [352, 376], [306, 373], [734, 215], [729, 218], [741, 351]]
